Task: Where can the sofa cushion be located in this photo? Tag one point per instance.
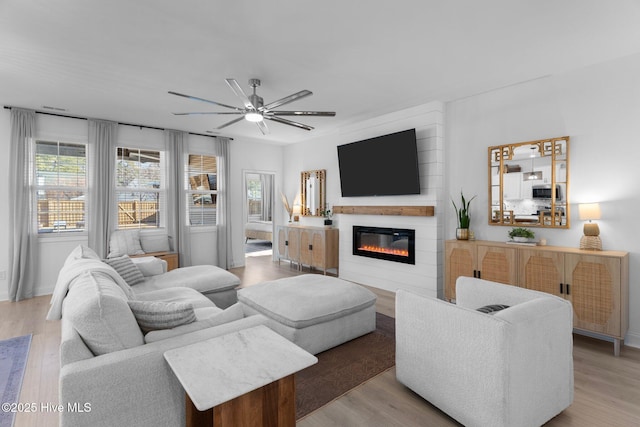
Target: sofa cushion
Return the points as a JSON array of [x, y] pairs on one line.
[[154, 243], [124, 242], [154, 315], [126, 269], [97, 309], [306, 300], [183, 295], [235, 312], [202, 278], [81, 252], [150, 265]]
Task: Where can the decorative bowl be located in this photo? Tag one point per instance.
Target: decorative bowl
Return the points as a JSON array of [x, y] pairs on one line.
[[521, 239]]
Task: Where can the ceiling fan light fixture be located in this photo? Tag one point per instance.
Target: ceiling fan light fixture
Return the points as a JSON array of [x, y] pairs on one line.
[[253, 117]]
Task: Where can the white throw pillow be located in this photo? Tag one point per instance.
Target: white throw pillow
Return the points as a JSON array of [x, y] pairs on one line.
[[149, 265], [124, 242], [154, 315]]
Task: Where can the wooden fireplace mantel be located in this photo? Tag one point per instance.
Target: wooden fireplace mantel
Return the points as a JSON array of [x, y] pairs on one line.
[[385, 210]]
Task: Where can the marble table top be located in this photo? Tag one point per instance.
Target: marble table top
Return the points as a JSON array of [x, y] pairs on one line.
[[220, 369]]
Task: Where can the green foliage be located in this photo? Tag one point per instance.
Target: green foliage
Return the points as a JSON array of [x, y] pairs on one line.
[[521, 232], [463, 213]]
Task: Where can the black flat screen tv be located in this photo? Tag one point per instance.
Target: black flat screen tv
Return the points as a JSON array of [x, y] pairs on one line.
[[383, 166]]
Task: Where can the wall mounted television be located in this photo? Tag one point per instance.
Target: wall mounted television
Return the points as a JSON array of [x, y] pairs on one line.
[[382, 166]]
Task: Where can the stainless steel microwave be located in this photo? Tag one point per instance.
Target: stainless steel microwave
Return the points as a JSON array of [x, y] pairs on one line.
[[544, 192]]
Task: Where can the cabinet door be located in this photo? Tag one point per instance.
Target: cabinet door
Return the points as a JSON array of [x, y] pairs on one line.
[[497, 264], [594, 292], [460, 261], [541, 271], [512, 183], [306, 237], [282, 242], [318, 250], [293, 244]]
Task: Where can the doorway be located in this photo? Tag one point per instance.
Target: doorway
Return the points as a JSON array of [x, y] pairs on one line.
[[258, 212]]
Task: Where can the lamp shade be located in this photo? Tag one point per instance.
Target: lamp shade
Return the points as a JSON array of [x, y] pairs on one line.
[[589, 211]]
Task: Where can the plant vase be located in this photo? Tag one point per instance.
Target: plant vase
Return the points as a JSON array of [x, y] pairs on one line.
[[462, 233], [328, 222]]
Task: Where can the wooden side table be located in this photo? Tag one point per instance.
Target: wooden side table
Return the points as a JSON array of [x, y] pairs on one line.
[[171, 258], [244, 378]]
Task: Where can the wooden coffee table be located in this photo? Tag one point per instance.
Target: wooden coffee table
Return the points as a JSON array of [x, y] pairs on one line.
[[244, 378]]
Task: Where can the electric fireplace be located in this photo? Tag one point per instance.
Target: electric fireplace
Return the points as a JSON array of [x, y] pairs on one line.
[[391, 244]]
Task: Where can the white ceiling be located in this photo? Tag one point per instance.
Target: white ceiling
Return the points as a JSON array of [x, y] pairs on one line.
[[117, 59]]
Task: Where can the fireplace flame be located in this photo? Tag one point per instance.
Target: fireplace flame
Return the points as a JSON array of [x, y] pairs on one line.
[[389, 251]]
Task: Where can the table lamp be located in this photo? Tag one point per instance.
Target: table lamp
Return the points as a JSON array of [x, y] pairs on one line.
[[297, 210], [591, 239]]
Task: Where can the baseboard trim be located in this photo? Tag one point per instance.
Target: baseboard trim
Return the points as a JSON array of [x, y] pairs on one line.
[[632, 339]]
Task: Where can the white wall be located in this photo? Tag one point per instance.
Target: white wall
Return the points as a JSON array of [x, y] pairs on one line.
[[321, 153], [599, 108]]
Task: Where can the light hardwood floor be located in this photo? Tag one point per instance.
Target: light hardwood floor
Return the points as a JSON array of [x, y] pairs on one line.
[[607, 388]]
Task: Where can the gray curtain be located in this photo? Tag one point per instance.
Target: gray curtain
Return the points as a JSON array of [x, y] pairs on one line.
[[267, 196], [103, 217], [178, 222], [23, 249], [225, 254]]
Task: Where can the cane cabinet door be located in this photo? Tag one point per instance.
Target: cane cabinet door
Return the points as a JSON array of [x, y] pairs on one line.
[[461, 260], [593, 287], [497, 264], [542, 271]]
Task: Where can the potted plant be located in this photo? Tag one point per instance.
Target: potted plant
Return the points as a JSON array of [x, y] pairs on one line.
[[327, 214], [520, 234], [464, 220]]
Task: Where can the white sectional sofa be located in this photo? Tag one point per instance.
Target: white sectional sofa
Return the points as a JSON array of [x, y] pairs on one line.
[[110, 368]]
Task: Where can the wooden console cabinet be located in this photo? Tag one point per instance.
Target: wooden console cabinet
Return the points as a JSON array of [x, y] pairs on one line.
[[596, 282], [316, 247]]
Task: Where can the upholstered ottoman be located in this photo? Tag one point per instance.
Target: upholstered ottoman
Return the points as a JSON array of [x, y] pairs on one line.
[[313, 311]]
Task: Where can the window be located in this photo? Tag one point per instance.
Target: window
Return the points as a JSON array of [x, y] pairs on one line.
[[202, 190], [140, 189], [60, 186]]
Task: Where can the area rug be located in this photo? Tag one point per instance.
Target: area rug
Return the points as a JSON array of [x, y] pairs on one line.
[[342, 368], [14, 353]]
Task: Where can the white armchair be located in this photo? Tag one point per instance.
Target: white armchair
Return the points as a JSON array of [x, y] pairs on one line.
[[510, 368]]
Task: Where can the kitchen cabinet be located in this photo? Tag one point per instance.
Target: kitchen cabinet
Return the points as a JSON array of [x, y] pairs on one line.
[[596, 282]]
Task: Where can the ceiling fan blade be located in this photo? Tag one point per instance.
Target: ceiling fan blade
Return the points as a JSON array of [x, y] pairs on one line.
[[207, 112], [263, 127], [205, 100], [231, 122], [235, 87], [289, 122], [302, 113], [287, 99]]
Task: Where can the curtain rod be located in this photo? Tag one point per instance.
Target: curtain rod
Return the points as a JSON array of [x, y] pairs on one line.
[[120, 123]]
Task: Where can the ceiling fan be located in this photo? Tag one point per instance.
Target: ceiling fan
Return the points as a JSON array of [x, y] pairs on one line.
[[254, 109]]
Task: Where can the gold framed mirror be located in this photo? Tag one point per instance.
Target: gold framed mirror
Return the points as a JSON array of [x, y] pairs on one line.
[[313, 192], [529, 184]]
